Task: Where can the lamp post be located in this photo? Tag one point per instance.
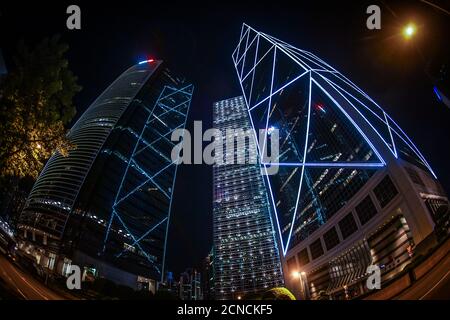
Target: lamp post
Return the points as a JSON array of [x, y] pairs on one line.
[[305, 285], [302, 278], [347, 296]]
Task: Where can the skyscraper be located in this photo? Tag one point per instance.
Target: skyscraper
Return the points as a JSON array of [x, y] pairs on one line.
[[190, 285], [106, 206], [352, 188], [207, 270], [246, 257]]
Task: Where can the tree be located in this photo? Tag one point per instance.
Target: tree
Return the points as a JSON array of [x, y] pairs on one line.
[[35, 106], [279, 293]]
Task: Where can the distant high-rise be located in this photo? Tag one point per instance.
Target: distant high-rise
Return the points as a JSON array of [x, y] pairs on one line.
[[246, 256], [190, 285], [207, 271], [106, 206], [352, 188]]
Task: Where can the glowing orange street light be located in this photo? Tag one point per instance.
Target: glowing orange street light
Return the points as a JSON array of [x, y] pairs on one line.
[[298, 274], [409, 31]]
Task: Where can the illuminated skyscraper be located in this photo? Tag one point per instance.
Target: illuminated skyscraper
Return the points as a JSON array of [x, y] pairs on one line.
[[246, 257], [106, 206], [352, 188]]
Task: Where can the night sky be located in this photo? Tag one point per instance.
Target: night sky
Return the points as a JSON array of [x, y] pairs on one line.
[[197, 40]]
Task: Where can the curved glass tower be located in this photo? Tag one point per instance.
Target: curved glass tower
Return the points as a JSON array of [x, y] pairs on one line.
[[349, 178], [107, 204]]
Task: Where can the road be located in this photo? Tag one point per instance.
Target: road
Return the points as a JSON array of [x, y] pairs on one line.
[[435, 285], [24, 285]]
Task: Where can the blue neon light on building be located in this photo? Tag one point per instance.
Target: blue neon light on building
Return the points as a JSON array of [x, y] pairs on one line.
[[333, 136], [108, 203]]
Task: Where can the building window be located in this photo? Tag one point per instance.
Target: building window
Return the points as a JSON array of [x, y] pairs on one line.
[[414, 176], [292, 266], [51, 260], [316, 249], [366, 210], [348, 226], [303, 258], [331, 238], [385, 191]]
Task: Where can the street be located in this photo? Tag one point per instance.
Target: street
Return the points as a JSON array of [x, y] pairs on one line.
[[433, 286], [22, 284]]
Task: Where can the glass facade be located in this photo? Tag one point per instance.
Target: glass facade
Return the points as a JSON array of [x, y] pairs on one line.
[[352, 188], [348, 226], [316, 249], [303, 257], [331, 238], [333, 136], [366, 210], [246, 254], [385, 191], [53, 196], [110, 198]]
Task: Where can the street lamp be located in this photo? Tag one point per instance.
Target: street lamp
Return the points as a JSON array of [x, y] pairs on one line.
[[409, 30], [301, 276]]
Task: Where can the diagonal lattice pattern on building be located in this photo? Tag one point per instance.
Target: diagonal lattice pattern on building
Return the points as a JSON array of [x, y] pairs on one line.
[[167, 115], [333, 136], [107, 205]]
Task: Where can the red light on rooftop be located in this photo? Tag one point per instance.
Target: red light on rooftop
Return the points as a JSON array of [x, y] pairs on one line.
[[146, 61]]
